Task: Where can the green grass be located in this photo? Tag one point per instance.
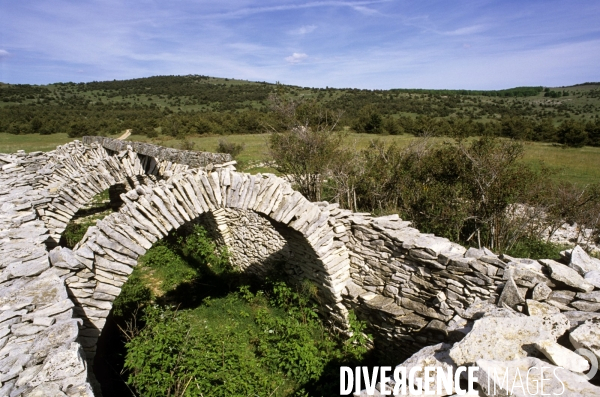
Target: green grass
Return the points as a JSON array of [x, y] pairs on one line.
[[31, 143], [580, 166]]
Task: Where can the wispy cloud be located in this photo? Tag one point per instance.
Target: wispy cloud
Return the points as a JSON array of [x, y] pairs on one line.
[[466, 30], [301, 31], [360, 6], [296, 57], [4, 54], [365, 10]]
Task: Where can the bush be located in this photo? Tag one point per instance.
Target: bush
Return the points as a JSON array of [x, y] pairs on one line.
[[572, 134], [369, 121], [266, 343], [134, 295], [234, 149], [171, 268], [535, 249], [457, 190], [74, 232]]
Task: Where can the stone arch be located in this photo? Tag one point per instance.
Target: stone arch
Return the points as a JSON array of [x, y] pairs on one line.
[[105, 257], [78, 172]]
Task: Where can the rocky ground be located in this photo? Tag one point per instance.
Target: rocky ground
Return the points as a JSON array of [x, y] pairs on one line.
[[573, 234], [547, 311]]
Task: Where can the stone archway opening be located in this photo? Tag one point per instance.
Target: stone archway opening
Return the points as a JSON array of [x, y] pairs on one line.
[[100, 206], [259, 248]]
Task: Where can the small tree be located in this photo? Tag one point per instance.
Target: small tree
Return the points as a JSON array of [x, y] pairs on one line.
[[572, 133], [304, 142], [369, 120], [234, 149]]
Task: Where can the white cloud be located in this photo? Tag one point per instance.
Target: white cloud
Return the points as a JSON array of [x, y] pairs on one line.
[[303, 30], [365, 10], [466, 30], [356, 5], [4, 54], [296, 57]]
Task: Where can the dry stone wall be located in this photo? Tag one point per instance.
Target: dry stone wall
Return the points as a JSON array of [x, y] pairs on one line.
[[414, 289], [191, 158], [39, 354], [108, 252]]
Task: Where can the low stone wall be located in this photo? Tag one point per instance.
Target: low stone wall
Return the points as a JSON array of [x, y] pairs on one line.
[[39, 354], [191, 158]]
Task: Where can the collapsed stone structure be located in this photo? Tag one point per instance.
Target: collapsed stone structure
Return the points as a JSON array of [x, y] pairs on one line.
[[415, 290]]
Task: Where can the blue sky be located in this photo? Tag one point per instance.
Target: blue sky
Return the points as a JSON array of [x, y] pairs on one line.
[[364, 44]]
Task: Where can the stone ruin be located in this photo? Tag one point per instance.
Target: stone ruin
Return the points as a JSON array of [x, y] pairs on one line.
[[423, 296]]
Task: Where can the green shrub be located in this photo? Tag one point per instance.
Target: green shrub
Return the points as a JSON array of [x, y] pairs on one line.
[[266, 343], [134, 295], [74, 232], [170, 267], [234, 149], [536, 249], [261, 339]]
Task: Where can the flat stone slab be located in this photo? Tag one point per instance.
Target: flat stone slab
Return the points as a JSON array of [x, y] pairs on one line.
[[506, 338], [567, 275], [587, 336]]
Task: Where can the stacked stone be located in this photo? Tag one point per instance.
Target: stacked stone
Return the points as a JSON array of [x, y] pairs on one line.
[[515, 354], [108, 252], [78, 172], [192, 158], [39, 354], [253, 243], [414, 287], [73, 173]]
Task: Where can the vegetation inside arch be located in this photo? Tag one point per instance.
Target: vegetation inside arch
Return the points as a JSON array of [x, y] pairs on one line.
[[190, 325], [99, 207]]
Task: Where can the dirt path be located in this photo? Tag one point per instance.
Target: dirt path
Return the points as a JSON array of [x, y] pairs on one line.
[[125, 135]]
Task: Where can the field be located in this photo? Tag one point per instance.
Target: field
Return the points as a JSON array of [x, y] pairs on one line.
[[578, 165]]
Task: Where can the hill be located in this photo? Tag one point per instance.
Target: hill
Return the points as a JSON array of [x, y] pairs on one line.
[[180, 105]]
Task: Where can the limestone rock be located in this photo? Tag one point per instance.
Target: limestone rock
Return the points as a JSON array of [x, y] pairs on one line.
[[541, 292], [46, 390], [84, 390], [582, 262], [26, 269], [53, 337], [593, 278], [422, 309], [65, 258], [60, 365], [562, 296], [587, 336], [511, 295], [589, 296], [563, 357], [586, 306], [565, 274], [507, 338], [528, 274], [577, 318], [536, 308], [431, 356], [481, 309]]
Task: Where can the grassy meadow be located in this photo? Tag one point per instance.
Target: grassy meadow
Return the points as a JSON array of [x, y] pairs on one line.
[[578, 165]]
